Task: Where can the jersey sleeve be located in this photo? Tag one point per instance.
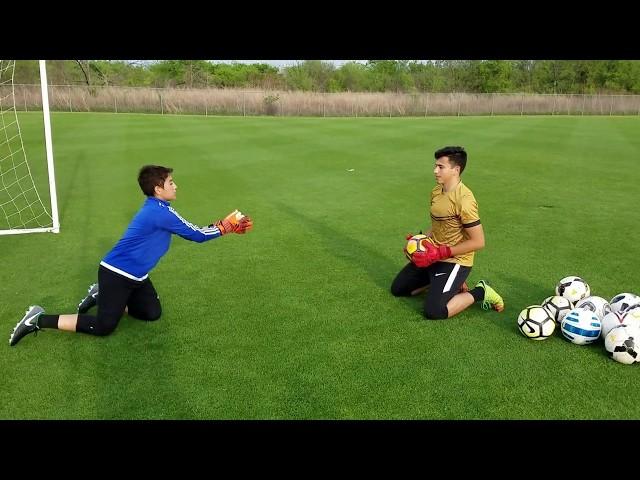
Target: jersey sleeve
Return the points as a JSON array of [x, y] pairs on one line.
[[172, 221], [469, 215]]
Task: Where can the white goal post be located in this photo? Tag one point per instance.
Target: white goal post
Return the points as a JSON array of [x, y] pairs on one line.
[[21, 207]]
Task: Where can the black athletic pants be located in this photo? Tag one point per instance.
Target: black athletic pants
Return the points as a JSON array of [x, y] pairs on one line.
[[444, 278], [115, 293]]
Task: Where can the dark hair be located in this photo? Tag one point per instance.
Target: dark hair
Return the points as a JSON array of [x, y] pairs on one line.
[[457, 156], [152, 176]]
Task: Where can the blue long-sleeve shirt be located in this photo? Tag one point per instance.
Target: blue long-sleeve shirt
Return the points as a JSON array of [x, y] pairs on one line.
[[148, 238]]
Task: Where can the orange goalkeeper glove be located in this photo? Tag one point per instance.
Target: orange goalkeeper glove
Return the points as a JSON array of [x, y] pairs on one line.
[[235, 222], [244, 225]]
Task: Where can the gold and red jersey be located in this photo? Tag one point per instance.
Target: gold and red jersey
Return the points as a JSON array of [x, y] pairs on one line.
[[452, 212]]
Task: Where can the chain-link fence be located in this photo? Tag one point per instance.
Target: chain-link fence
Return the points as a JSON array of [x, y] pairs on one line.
[[73, 98]]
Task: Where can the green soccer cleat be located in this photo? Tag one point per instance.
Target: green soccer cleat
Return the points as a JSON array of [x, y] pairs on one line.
[[491, 297]]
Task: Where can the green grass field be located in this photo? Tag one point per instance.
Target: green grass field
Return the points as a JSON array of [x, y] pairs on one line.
[[295, 320]]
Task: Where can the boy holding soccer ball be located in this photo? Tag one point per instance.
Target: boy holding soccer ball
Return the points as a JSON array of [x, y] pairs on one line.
[[123, 274], [455, 234]]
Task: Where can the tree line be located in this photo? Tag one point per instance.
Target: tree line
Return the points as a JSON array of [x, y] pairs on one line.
[[406, 76]]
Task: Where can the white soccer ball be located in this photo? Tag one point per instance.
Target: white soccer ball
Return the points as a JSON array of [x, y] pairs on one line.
[[535, 322], [622, 331], [581, 326], [622, 344], [597, 305], [632, 308], [610, 321], [631, 317], [573, 288], [557, 307], [623, 301]]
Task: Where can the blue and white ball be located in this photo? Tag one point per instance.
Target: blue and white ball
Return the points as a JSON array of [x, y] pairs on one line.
[[581, 326]]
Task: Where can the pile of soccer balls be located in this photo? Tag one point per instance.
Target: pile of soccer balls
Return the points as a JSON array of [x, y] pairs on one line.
[[584, 318]]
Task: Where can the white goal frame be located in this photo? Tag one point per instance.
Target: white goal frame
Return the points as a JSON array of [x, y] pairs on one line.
[[55, 228]]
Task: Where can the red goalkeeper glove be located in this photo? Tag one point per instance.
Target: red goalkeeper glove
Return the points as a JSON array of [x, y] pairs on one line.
[[431, 255]]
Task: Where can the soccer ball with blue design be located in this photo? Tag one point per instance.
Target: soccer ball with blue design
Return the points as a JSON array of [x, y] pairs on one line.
[[535, 322], [581, 326]]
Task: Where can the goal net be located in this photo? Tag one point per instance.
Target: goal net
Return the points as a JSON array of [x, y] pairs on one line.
[[24, 171]]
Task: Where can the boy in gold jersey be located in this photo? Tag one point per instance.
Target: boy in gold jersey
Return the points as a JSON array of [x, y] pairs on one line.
[[455, 235]]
